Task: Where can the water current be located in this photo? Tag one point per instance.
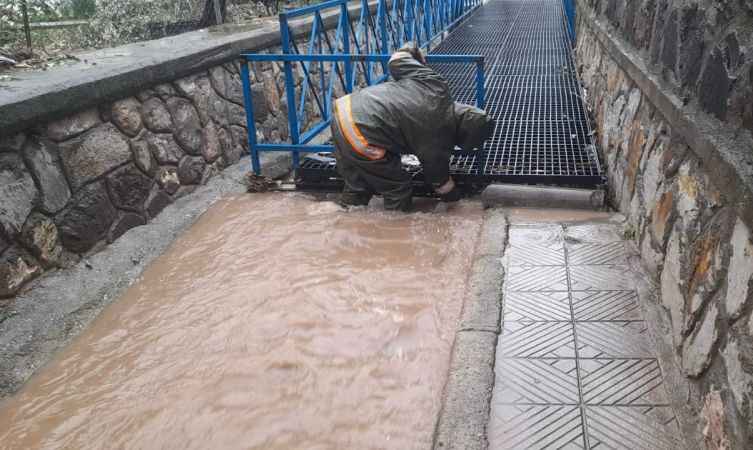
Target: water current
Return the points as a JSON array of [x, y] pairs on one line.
[[275, 322]]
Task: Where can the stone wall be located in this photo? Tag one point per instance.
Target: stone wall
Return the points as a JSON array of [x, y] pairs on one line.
[[74, 184], [670, 88]]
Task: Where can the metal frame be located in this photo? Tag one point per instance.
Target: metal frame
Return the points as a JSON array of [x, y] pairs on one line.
[[361, 47], [300, 144], [569, 6]]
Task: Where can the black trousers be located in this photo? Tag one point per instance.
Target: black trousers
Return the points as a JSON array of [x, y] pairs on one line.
[[364, 177]]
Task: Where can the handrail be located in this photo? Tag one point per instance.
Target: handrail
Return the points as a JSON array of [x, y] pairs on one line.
[[300, 144]]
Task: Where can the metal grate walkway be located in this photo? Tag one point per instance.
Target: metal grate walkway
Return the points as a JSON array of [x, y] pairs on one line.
[[542, 133]]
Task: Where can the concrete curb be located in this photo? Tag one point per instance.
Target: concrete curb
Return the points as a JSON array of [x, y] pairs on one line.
[[464, 417], [55, 308]]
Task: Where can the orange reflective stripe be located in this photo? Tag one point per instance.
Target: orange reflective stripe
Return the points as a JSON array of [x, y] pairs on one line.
[[352, 134]]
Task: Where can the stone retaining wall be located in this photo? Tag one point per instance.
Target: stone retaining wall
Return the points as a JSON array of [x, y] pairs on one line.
[[670, 87], [74, 184]]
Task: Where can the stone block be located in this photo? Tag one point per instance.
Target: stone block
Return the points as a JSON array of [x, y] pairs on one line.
[[226, 84], [164, 148], [210, 143], [126, 115], [737, 355], [691, 45], [142, 156], [13, 143], [4, 241], [17, 191], [191, 170], [715, 84], [17, 267], [199, 89], [740, 272], [88, 219], [157, 201], [129, 188], [225, 113], [669, 46], [94, 154], [272, 94], [231, 153], [187, 124], [168, 180], [124, 222], [703, 266], [165, 91], [74, 125], [714, 433], [156, 116], [652, 176], [43, 161], [662, 218], [259, 99], [644, 23], [672, 297], [697, 348], [634, 157], [40, 235]]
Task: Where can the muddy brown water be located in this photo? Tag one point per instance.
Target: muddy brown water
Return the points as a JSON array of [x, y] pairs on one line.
[[275, 322]]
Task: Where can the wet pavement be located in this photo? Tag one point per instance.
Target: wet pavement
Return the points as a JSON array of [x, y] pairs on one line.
[[575, 366]]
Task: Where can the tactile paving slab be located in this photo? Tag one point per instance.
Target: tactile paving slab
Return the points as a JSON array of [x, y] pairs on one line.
[[575, 367]]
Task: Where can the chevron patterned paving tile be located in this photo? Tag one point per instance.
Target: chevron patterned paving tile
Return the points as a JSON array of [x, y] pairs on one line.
[[601, 278], [599, 234], [605, 305], [536, 381], [518, 427], [613, 340], [632, 428], [535, 255], [537, 306], [536, 340], [550, 236], [596, 254], [629, 382], [536, 278]]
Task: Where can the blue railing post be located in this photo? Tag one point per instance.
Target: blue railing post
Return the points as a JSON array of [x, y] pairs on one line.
[[569, 6], [289, 86], [382, 12], [250, 121], [345, 24]]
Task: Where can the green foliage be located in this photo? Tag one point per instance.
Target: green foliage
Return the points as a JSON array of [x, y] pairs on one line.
[[79, 9]]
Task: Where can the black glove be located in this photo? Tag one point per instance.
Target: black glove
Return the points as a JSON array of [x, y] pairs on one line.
[[453, 196]]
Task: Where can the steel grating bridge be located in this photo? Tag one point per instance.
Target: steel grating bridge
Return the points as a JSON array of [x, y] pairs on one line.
[[542, 133], [527, 83]]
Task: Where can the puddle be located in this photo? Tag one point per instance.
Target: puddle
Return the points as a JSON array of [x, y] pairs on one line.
[[276, 322]]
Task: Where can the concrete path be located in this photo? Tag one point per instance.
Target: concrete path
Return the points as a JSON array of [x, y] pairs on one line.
[[574, 365]]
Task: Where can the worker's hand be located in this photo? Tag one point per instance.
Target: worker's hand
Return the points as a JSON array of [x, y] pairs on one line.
[[453, 196], [448, 191]]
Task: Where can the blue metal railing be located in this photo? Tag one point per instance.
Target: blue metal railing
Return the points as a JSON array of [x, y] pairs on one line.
[[300, 144], [569, 6], [362, 47]]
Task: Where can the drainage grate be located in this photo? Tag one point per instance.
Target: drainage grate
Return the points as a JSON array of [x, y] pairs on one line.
[[542, 133]]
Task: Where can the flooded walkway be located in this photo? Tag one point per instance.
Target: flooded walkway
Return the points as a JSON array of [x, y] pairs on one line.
[[276, 322]]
